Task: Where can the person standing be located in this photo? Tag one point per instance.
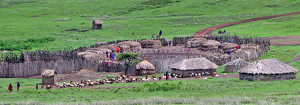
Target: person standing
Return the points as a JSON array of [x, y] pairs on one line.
[[237, 46], [170, 43], [160, 32], [37, 86], [106, 54], [167, 75], [112, 57], [18, 86], [10, 87], [132, 33]]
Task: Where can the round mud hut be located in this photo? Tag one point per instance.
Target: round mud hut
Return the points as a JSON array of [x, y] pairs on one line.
[[150, 43], [145, 68], [133, 45], [235, 65], [194, 65], [267, 70], [49, 77]]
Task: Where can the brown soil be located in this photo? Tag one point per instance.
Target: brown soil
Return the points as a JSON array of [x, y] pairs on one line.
[[208, 31]]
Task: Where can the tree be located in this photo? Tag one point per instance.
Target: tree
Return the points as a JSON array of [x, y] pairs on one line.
[[129, 58]]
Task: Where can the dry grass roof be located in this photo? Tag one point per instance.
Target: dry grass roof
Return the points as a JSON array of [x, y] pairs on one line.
[[98, 21], [268, 66], [194, 64], [145, 65], [238, 61], [130, 43], [48, 72]]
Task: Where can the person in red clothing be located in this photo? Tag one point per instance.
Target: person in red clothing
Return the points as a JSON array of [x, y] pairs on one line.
[[237, 46], [37, 86], [10, 87], [167, 75]]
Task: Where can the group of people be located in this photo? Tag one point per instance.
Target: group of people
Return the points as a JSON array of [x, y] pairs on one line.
[[158, 36], [10, 87], [220, 32], [169, 43], [110, 55], [237, 47]]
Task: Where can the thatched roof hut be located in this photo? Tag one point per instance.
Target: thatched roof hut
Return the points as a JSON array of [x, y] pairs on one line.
[[97, 24], [92, 55], [134, 46], [195, 42], [145, 68], [150, 43], [267, 69], [235, 65], [49, 77], [194, 65]]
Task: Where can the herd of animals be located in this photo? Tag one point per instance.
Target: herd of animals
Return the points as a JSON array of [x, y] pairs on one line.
[[127, 79]]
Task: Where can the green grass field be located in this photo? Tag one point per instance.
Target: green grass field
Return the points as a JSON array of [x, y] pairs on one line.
[[32, 25], [25, 19], [259, 91], [275, 27]]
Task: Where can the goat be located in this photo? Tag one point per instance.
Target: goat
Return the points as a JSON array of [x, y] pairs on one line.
[[48, 87], [43, 86], [153, 76]]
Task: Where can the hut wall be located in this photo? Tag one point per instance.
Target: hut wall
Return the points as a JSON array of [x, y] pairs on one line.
[[144, 72], [186, 73], [267, 77], [162, 64], [233, 68], [49, 80], [97, 26]]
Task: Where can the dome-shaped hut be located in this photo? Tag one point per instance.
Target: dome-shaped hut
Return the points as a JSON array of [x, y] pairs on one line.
[[267, 70], [194, 65], [145, 68], [49, 77], [235, 65]]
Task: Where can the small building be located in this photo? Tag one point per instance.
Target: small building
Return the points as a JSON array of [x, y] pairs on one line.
[[235, 65], [97, 24], [145, 68], [194, 65], [267, 70], [49, 77], [150, 43]]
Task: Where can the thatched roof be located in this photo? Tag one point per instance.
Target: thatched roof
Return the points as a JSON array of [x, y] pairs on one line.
[[268, 66], [194, 64], [130, 43], [48, 72], [98, 21], [238, 61], [145, 65]]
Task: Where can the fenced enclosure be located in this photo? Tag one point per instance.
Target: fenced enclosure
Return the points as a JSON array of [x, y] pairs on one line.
[[32, 68], [32, 63]]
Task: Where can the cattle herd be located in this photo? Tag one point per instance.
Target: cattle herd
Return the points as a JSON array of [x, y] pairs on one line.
[[127, 79]]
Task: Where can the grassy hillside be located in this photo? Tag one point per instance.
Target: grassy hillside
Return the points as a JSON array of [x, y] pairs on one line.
[[275, 27], [25, 19]]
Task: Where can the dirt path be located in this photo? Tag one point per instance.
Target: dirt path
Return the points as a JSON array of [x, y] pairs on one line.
[[208, 31], [275, 41]]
